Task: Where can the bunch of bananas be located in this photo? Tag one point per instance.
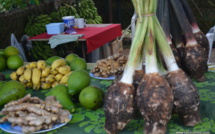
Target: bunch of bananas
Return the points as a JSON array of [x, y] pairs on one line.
[[36, 24], [82, 9], [41, 50], [39, 75]]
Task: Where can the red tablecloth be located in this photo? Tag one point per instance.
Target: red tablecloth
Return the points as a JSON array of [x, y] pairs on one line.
[[95, 36]]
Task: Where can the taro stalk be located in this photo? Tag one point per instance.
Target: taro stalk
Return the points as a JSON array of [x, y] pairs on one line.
[[164, 19]]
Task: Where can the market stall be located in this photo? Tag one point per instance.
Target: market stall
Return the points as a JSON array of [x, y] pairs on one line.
[[92, 121]]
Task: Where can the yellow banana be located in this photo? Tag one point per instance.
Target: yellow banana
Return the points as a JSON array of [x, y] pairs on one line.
[[50, 78], [55, 84], [57, 63], [45, 85], [58, 77], [42, 79], [64, 69], [20, 70], [41, 64], [36, 87], [14, 76], [29, 85], [54, 71], [46, 71], [33, 64], [65, 78], [27, 65], [28, 74], [22, 79], [36, 77]]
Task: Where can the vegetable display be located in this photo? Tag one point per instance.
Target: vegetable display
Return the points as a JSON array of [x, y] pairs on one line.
[[164, 87]]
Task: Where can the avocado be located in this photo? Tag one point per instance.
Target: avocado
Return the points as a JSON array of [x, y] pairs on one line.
[[11, 90], [61, 93]]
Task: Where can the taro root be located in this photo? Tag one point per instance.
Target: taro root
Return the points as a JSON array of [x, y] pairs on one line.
[[186, 97], [203, 41], [155, 101], [196, 62], [138, 75], [118, 106]]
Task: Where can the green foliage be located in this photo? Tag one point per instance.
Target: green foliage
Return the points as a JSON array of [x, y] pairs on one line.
[[13, 4]]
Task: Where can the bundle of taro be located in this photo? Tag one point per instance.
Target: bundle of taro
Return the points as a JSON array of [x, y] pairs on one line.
[[112, 66], [33, 114], [163, 87]]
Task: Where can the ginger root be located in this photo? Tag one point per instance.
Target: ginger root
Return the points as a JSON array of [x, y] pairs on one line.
[[33, 114], [112, 66]]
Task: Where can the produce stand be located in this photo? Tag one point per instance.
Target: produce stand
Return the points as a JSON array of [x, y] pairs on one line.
[[95, 36], [92, 121]]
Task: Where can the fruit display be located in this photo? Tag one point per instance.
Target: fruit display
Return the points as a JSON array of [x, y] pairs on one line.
[[38, 74], [82, 9], [33, 114], [112, 66], [11, 90]]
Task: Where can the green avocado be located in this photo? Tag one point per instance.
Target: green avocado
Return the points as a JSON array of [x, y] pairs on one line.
[[1, 83], [61, 93], [11, 90]]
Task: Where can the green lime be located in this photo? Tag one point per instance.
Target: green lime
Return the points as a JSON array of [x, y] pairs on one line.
[[14, 62], [10, 51], [52, 59], [3, 63], [71, 57], [77, 81], [91, 97], [78, 64], [1, 51]]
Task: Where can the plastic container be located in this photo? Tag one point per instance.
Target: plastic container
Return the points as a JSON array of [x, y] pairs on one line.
[[68, 21], [55, 28]]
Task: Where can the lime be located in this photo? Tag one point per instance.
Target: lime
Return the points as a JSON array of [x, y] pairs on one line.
[[78, 64], [3, 63], [1, 51], [71, 57], [52, 59], [77, 81], [14, 62], [91, 97], [10, 51]]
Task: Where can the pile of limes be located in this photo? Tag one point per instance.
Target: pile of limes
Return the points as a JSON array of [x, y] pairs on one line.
[[10, 58]]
